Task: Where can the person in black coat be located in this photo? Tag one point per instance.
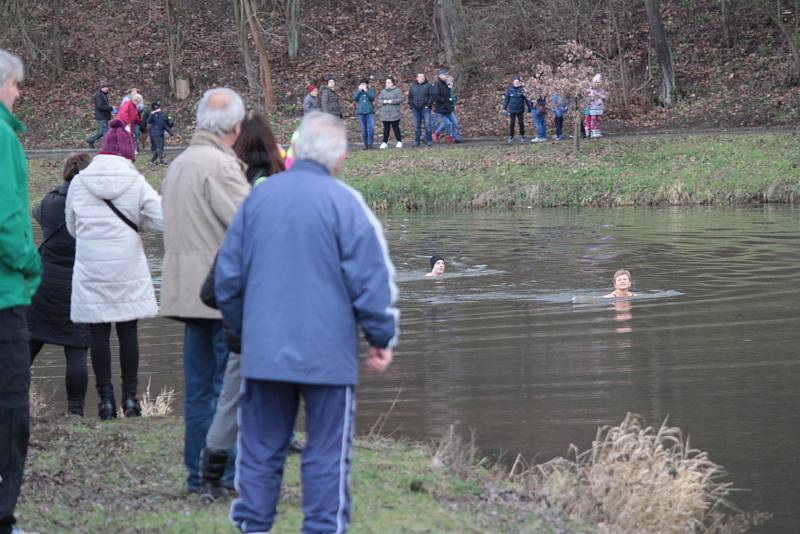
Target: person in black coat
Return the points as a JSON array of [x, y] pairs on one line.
[[102, 113], [515, 105], [443, 106], [48, 319], [158, 123], [420, 101]]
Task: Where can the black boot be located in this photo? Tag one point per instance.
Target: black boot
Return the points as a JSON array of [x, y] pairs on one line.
[[75, 409], [107, 408], [131, 406], [212, 467]]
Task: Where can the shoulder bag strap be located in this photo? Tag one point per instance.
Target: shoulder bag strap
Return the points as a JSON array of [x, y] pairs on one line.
[[121, 215], [53, 233]]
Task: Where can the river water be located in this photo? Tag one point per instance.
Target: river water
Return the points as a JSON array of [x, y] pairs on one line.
[[511, 342]]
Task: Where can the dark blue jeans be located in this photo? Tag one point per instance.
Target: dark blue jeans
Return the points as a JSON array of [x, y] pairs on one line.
[[101, 131], [204, 359], [558, 122], [367, 122], [421, 115], [449, 123], [539, 121]]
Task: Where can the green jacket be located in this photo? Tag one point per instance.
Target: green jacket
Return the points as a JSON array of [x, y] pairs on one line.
[[20, 266], [363, 100]]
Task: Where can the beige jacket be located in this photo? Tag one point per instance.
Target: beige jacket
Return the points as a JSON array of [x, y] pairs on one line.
[[200, 194]]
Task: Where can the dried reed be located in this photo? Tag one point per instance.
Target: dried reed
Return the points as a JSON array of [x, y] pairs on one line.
[[38, 401], [158, 407]]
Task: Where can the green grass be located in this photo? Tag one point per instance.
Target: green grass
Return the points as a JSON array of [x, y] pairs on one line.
[[128, 476], [664, 170]]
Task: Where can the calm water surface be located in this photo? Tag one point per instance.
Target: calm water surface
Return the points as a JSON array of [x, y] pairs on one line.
[[497, 344]]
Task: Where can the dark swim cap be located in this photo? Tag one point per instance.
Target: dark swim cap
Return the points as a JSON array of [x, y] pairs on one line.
[[434, 259]]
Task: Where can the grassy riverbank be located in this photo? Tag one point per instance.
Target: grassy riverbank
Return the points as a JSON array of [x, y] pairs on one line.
[[663, 170], [128, 476]]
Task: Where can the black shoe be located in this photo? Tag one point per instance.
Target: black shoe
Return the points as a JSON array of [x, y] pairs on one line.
[[130, 406], [75, 411], [107, 409], [212, 467]]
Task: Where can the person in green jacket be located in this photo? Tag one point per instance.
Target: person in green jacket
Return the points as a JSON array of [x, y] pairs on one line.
[[363, 97], [20, 273]]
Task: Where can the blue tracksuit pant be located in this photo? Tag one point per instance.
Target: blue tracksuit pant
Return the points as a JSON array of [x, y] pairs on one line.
[[267, 412]]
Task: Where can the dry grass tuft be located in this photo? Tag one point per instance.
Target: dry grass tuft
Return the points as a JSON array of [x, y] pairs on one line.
[[38, 401], [158, 407], [460, 455], [636, 478]]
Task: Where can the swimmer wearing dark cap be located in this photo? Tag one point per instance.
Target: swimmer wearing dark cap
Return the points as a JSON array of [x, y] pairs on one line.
[[437, 266], [622, 285]]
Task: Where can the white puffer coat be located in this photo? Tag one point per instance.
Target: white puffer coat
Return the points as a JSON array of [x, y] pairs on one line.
[[111, 280]]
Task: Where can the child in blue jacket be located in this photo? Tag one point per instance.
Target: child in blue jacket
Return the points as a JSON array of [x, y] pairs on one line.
[[158, 123], [560, 107]]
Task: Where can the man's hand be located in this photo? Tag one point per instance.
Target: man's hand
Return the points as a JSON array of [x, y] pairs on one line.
[[378, 360]]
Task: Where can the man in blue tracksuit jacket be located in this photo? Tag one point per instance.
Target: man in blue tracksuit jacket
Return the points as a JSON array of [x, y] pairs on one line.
[[302, 266]]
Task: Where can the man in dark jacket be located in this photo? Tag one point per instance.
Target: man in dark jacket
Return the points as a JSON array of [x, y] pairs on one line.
[[420, 100], [158, 124], [329, 100], [515, 104], [20, 274], [443, 107], [296, 293], [102, 113]]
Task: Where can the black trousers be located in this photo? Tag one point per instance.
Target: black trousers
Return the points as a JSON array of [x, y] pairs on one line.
[[77, 376], [157, 146], [517, 116], [394, 125], [128, 357], [15, 422]]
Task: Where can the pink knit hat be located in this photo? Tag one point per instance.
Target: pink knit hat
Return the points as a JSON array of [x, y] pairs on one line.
[[118, 142]]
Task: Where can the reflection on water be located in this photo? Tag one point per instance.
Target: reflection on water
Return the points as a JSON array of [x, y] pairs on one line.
[[513, 342]]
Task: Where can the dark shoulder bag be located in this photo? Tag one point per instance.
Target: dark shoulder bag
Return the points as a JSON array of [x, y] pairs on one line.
[[121, 215]]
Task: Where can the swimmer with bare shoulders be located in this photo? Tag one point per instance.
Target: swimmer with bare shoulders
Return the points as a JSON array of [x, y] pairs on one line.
[[622, 286], [437, 266]]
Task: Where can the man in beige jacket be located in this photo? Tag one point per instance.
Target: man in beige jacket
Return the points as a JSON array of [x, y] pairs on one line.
[[200, 195]]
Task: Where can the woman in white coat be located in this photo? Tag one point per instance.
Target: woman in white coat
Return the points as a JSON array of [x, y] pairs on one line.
[[108, 202]]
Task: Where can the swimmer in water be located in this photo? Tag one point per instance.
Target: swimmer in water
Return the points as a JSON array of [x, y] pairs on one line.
[[437, 266], [622, 286]]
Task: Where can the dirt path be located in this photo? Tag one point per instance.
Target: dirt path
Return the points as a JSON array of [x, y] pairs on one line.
[[57, 153]]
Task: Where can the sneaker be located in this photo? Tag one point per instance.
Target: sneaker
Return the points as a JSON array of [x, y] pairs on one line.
[[429, 144], [558, 138], [510, 140], [539, 140], [522, 139], [384, 146], [416, 144], [451, 139], [399, 145], [598, 133]]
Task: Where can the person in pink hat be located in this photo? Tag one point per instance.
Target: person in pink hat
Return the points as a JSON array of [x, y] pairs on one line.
[[108, 204]]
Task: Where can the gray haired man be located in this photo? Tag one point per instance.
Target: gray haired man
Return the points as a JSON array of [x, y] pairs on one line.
[[20, 270], [200, 195]]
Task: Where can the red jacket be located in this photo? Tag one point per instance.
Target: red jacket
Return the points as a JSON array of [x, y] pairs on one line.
[[128, 114]]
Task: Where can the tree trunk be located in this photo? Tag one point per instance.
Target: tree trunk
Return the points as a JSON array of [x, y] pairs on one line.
[[264, 68], [293, 26], [668, 90], [623, 72], [244, 46], [173, 23], [792, 38], [726, 8], [55, 39]]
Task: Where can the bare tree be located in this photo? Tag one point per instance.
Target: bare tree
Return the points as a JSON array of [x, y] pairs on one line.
[[781, 13], [56, 38], [668, 89], [173, 11], [243, 33], [264, 68], [293, 27], [451, 28], [726, 8]]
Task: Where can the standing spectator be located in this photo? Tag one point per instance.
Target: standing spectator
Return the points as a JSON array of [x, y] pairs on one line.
[[443, 107], [596, 97], [49, 320], [201, 191], [158, 124], [329, 100], [102, 113], [391, 99], [107, 204], [420, 100], [455, 126], [515, 104], [129, 95], [296, 294], [539, 115], [20, 271], [310, 102], [560, 107], [129, 113], [364, 96], [256, 146]]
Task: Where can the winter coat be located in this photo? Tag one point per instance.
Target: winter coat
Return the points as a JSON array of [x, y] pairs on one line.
[[158, 123], [597, 101], [102, 109], [441, 98], [329, 102], [420, 96], [363, 100], [20, 267], [560, 105], [48, 320], [129, 114], [540, 107], [298, 292], [515, 100], [111, 279], [391, 112], [310, 103], [201, 192]]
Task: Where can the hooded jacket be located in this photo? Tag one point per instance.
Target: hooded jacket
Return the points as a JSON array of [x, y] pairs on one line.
[[102, 109], [515, 100], [441, 98], [391, 112], [111, 279], [20, 267], [310, 103], [303, 265], [329, 102]]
